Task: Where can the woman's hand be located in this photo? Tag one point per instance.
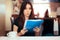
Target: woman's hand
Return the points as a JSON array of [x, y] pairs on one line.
[[22, 32], [37, 31]]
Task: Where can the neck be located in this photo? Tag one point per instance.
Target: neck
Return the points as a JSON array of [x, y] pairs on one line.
[[26, 18]]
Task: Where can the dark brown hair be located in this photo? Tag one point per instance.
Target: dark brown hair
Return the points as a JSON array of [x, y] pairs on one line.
[[21, 14]]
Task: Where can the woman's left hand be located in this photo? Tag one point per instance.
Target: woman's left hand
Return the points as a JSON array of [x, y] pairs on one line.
[[36, 30]]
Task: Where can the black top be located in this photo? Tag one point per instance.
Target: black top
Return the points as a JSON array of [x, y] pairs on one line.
[[19, 24]]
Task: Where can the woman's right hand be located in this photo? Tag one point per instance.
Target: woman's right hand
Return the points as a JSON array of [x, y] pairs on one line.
[[23, 31]]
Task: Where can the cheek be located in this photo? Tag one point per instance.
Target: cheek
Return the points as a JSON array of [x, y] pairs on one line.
[[25, 13], [30, 11]]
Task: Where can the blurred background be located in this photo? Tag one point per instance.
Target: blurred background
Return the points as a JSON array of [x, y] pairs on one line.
[[10, 8]]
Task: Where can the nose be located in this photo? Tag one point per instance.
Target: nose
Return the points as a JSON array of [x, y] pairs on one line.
[[27, 10]]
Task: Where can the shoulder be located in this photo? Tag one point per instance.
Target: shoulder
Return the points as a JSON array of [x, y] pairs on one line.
[[17, 19]]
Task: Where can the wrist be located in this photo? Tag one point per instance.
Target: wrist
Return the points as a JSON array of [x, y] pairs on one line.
[[19, 34], [37, 33]]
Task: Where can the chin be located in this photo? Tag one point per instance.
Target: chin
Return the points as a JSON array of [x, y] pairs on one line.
[[27, 16]]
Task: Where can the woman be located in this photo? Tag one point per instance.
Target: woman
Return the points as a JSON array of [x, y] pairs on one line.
[[26, 13]]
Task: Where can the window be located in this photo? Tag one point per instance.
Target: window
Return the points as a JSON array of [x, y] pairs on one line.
[[40, 6], [2, 8]]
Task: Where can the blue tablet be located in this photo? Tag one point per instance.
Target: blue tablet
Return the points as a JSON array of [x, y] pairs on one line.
[[30, 24]]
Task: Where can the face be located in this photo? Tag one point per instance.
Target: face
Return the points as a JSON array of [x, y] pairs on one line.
[[27, 10]]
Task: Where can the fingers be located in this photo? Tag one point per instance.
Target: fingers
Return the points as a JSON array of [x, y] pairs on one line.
[[26, 30], [23, 31], [36, 29]]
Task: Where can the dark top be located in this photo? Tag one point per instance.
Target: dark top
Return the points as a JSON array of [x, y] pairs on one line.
[[19, 24]]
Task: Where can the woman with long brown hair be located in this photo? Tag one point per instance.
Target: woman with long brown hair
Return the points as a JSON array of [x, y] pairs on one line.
[[26, 13]]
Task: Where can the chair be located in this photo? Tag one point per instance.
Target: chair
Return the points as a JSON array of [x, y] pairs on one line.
[[59, 23], [48, 27], [12, 18]]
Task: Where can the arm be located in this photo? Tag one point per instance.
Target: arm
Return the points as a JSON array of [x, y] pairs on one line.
[[22, 32], [15, 28]]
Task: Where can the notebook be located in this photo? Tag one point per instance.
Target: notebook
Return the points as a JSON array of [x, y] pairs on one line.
[[30, 24]]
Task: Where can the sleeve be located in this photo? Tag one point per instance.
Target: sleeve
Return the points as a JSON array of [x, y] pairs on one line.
[[16, 22]]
